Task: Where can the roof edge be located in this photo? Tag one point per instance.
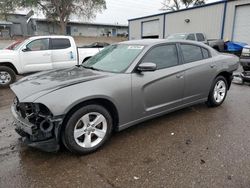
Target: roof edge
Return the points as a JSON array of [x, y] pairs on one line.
[[181, 10]]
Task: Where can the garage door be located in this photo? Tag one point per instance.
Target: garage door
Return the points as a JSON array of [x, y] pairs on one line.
[[150, 29], [242, 24]]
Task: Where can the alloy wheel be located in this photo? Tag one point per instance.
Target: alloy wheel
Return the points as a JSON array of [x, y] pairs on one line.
[[90, 130], [5, 78], [219, 91]]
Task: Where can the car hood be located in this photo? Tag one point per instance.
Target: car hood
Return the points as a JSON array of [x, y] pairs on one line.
[[6, 53], [42, 83]]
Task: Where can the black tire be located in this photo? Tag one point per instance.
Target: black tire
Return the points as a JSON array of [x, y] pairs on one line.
[[11, 74], [211, 102], [246, 68], [68, 132]]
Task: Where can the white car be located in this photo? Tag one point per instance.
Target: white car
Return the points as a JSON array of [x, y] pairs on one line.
[[41, 53]]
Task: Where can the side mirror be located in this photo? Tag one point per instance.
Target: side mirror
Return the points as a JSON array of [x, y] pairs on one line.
[[26, 49], [146, 67]]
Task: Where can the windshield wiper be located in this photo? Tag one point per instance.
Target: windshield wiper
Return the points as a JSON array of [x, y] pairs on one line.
[[92, 68]]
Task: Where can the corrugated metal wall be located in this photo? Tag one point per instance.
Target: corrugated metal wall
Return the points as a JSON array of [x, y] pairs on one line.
[[206, 20], [230, 15], [94, 31], [44, 28]]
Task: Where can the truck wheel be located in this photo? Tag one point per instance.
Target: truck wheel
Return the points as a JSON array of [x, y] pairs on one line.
[[246, 68], [7, 76], [87, 129], [218, 92]]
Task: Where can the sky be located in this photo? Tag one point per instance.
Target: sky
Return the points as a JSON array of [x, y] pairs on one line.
[[119, 11]]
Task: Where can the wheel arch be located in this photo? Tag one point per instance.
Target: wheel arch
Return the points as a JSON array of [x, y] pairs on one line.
[[10, 65], [228, 76], [109, 105]]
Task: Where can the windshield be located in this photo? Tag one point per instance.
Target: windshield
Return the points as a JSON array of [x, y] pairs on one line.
[[114, 58], [16, 46], [177, 37]]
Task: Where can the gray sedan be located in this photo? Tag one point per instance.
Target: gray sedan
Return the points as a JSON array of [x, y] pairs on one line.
[[123, 85]]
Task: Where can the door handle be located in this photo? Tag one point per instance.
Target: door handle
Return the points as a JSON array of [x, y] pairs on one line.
[[213, 66], [46, 54], [180, 76]]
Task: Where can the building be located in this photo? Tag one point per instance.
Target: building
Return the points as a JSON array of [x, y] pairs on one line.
[[44, 27], [14, 25], [226, 19], [24, 25]]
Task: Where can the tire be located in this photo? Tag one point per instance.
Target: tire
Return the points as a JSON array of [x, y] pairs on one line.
[[246, 68], [216, 99], [82, 128], [7, 76]]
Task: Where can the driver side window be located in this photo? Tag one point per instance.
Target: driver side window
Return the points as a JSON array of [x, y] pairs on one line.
[[38, 45], [163, 56]]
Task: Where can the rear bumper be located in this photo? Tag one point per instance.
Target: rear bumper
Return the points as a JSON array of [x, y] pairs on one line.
[[31, 135]]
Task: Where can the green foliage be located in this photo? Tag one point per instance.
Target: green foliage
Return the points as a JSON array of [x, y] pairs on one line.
[[7, 6], [61, 10], [58, 11]]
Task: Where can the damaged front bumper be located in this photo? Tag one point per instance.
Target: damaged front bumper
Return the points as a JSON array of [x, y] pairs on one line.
[[37, 130]]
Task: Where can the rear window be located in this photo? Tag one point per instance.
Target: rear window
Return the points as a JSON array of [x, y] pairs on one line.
[[205, 53], [60, 44], [191, 53]]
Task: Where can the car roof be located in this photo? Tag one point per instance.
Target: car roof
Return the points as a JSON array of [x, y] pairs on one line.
[[49, 36], [151, 42]]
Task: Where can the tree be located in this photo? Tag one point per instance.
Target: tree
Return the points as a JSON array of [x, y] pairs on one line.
[[7, 6], [173, 5], [61, 10]]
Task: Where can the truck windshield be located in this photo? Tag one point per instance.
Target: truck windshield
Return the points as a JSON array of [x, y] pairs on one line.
[[114, 58], [17, 46]]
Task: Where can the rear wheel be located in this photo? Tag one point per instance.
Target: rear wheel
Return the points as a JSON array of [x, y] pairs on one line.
[[7, 76], [218, 92], [87, 129]]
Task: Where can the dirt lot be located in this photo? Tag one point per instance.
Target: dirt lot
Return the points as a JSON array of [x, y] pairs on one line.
[[193, 147]]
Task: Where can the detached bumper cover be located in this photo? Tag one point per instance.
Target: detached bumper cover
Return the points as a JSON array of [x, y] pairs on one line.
[[31, 136]]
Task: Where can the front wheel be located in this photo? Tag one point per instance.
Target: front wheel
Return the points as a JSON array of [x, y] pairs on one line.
[[218, 92], [87, 129], [7, 76]]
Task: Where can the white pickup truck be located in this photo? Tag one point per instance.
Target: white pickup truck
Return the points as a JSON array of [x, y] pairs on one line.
[[41, 53]]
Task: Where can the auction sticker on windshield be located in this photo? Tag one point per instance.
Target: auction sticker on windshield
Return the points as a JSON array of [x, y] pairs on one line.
[[135, 47]]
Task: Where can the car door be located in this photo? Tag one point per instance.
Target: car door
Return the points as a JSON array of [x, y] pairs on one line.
[[36, 56], [63, 54], [199, 74], [160, 90]]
